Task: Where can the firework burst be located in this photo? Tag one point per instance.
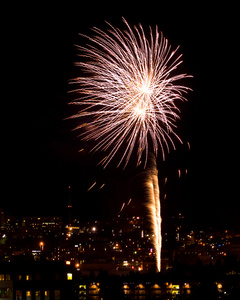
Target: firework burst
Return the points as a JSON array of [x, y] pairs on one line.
[[129, 93]]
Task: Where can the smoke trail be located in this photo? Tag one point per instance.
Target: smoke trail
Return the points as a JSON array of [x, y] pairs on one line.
[[154, 206]]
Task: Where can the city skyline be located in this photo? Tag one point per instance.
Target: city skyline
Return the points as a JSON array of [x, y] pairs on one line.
[[127, 238]]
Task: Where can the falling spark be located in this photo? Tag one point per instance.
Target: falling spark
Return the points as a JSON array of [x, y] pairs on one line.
[[121, 208], [129, 94], [129, 201], [102, 160], [102, 186], [124, 205], [92, 186], [165, 180], [179, 173]]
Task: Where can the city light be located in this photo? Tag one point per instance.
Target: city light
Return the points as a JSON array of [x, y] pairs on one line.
[[125, 263], [125, 251], [41, 244]]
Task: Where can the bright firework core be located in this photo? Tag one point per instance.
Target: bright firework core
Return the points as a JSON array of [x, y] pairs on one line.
[[143, 103], [140, 111], [145, 89]]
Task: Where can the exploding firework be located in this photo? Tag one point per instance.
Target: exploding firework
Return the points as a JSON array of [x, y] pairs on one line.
[[128, 97], [128, 100]]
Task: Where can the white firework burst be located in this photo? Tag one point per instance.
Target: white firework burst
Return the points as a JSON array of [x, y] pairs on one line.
[[129, 92]]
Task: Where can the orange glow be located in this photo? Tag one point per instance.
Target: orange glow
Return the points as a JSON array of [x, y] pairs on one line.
[[219, 286], [41, 244]]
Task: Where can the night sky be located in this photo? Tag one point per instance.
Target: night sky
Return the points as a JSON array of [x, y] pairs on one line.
[[40, 152]]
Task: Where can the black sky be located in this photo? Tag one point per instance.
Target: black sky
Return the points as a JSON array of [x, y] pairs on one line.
[[41, 155]]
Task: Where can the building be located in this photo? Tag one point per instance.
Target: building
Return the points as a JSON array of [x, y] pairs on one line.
[[41, 226], [36, 281]]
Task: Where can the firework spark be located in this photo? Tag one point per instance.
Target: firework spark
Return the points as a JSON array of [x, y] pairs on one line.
[[128, 96]]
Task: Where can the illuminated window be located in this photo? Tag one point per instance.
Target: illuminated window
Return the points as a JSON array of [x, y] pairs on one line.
[[175, 289], [69, 276], [156, 289], [126, 289], [37, 295], [28, 277], [1, 277], [82, 287], [175, 286], [47, 295], [140, 286], [140, 289], [28, 295], [125, 263], [94, 288], [82, 291]]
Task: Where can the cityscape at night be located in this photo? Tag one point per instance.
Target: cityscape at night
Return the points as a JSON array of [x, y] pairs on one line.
[[46, 257], [120, 163]]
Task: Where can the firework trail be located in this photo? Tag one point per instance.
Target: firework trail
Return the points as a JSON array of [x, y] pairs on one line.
[[153, 205], [127, 100]]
